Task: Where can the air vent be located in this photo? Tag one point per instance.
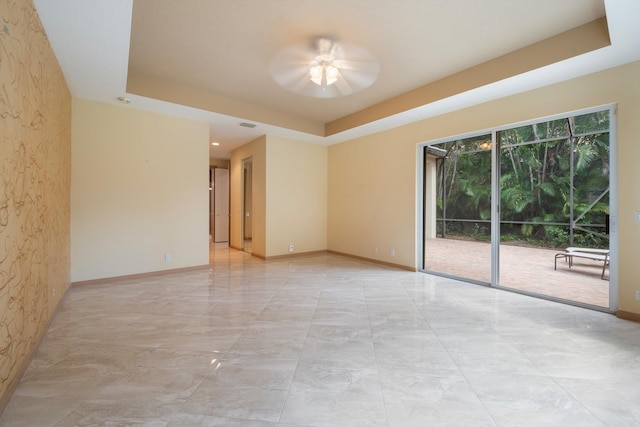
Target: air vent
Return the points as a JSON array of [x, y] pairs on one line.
[[247, 125]]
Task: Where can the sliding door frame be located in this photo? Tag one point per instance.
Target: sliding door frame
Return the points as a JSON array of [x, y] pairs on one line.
[[495, 204]]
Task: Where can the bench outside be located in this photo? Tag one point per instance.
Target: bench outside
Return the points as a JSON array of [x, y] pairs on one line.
[[587, 253]]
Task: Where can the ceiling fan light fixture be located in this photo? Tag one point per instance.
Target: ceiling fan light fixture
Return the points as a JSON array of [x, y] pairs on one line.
[[323, 72], [331, 74], [316, 72], [325, 68]]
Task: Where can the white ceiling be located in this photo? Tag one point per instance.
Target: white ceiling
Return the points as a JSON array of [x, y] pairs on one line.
[[222, 49]]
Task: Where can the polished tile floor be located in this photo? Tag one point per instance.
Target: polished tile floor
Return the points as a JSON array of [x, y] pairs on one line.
[[325, 341]]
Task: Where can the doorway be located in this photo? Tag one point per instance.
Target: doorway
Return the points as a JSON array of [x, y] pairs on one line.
[[219, 205], [247, 205], [500, 208]]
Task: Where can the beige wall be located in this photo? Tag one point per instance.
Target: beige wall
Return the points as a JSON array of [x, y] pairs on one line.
[[430, 197], [140, 190], [35, 173], [372, 180], [371, 209], [296, 196], [289, 186], [257, 151], [219, 163]]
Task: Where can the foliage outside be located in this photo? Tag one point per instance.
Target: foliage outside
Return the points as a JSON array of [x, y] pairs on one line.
[[536, 173]]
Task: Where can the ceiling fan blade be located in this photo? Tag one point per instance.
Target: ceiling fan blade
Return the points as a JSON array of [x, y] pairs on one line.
[[368, 67], [343, 85], [287, 76], [358, 79]]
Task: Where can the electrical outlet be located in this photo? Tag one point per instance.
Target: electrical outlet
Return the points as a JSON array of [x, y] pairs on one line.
[[54, 292], [167, 257], [393, 252], [290, 247], [637, 294]]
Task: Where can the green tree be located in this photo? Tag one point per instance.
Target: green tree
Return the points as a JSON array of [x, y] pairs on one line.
[[537, 165]]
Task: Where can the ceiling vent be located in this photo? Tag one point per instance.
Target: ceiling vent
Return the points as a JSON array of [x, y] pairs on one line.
[[247, 125]]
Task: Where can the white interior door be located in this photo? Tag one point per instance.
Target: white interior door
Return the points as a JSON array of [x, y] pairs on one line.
[[221, 205]]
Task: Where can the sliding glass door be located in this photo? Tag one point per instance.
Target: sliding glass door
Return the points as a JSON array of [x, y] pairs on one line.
[[459, 217], [554, 195], [547, 184]]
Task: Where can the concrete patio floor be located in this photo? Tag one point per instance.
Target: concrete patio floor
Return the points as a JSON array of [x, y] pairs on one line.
[[523, 268]]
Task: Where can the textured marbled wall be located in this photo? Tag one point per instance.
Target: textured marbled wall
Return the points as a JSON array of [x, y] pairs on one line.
[[35, 170]]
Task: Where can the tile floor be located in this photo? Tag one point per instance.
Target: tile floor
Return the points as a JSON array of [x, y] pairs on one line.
[[325, 341]]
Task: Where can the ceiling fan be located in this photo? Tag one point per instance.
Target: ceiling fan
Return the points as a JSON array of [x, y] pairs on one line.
[[324, 68]]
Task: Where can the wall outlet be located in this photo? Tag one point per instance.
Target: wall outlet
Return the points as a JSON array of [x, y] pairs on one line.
[[54, 292], [375, 250], [393, 252], [637, 294], [290, 247], [167, 257]]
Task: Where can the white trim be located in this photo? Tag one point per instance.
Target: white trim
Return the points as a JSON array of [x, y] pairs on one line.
[[613, 207], [420, 211], [495, 209]]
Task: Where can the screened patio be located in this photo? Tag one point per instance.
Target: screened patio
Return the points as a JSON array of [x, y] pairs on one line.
[[523, 268], [533, 189]]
